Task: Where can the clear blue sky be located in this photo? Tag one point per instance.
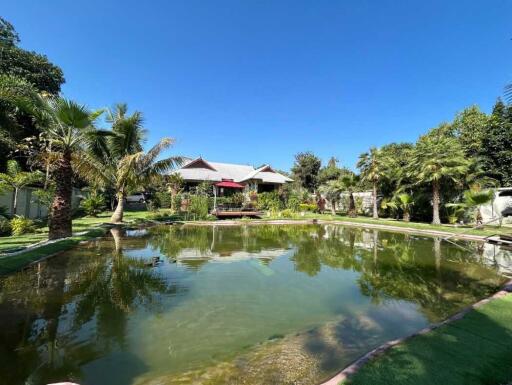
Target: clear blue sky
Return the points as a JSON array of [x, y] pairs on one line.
[[258, 81]]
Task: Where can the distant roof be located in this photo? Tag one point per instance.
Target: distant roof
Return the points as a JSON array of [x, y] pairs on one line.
[[202, 170]]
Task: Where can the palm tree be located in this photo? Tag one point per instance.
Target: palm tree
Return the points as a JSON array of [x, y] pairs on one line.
[[349, 182], [68, 128], [127, 173], [435, 159], [405, 202], [372, 170], [332, 191], [16, 179], [474, 199], [118, 161]]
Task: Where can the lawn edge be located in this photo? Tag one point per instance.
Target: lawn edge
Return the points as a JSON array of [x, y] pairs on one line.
[[343, 376], [377, 226]]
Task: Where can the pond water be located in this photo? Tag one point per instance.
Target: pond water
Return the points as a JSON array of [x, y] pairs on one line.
[[289, 304]]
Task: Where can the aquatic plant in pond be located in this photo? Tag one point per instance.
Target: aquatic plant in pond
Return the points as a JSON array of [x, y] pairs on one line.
[[275, 304]]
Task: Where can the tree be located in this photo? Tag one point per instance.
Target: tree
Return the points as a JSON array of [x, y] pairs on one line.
[[332, 191], [31, 70], [474, 199], [69, 128], [305, 170], [405, 202], [469, 127], [372, 170], [175, 186], [437, 158], [331, 172], [349, 183], [497, 144], [16, 179], [119, 162]]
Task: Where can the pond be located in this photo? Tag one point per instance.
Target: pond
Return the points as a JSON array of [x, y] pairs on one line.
[[287, 304]]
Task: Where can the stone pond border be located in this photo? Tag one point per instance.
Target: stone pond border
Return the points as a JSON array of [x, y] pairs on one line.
[[353, 368]]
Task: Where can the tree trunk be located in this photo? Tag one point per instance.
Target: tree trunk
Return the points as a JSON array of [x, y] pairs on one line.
[[436, 220], [374, 196], [60, 211], [117, 217], [15, 201], [333, 208], [407, 216], [351, 206]]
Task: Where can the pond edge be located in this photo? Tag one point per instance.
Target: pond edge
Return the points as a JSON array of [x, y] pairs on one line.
[[353, 368]]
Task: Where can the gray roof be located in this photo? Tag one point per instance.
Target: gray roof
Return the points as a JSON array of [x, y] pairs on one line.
[[202, 170]]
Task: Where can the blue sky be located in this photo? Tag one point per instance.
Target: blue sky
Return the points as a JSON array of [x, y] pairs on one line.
[[258, 81]]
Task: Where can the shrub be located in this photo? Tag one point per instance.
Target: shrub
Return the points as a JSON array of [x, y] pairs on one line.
[[164, 199], [287, 213], [269, 201], [5, 227], [293, 203], [198, 206], [21, 225], [308, 207], [93, 204]]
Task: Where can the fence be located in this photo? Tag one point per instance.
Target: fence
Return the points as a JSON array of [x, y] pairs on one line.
[[27, 205]]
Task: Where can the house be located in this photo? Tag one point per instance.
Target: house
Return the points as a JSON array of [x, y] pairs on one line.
[[229, 177]]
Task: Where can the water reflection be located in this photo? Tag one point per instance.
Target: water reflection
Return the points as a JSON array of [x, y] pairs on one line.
[[101, 314]]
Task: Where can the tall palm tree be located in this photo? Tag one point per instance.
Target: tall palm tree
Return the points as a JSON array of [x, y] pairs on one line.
[[130, 172], [437, 158], [349, 183], [371, 166], [332, 191], [69, 128]]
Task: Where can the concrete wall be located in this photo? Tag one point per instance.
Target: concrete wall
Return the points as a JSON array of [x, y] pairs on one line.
[[500, 203], [27, 206]]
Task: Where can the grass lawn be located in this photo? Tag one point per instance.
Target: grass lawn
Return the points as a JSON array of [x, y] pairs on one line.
[[79, 225], [476, 350], [488, 230]]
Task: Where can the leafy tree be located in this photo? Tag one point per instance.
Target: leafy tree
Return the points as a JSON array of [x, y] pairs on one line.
[[31, 72], [8, 35], [16, 179], [469, 126], [305, 170], [175, 186], [331, 172], [437, 159], [372, 167], [497, 145]]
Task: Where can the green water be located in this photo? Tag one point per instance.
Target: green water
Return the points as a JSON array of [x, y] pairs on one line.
[[228, 305]]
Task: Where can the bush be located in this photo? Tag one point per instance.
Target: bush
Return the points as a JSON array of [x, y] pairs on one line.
[[293, 203], [198, 206], [287, 213], [163, 199], [308, 207], [21, 225], [5, 227], [269, 201], [93, 204]]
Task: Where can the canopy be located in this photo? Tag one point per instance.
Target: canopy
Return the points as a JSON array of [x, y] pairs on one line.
[[229, 184]]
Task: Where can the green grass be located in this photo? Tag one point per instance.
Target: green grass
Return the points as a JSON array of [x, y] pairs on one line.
[[488, 230], [79, 225], [9, 264], [475, 350]]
